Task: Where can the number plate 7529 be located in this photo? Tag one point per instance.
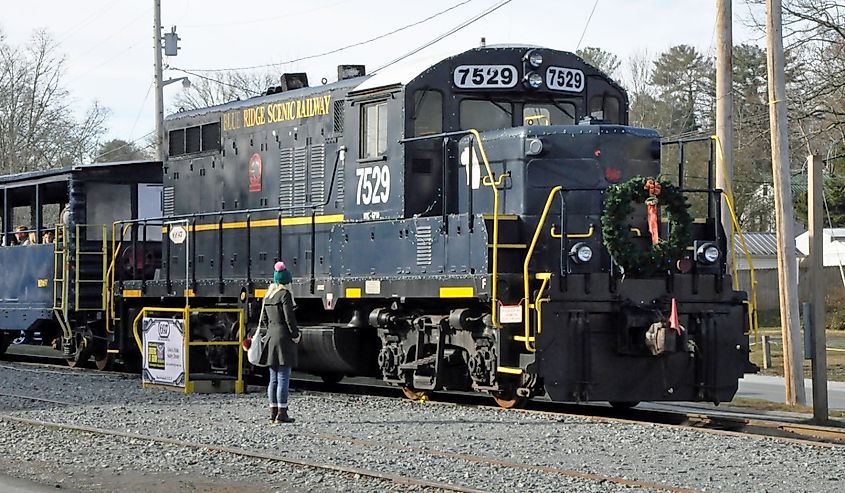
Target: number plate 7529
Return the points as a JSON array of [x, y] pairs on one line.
[[485, 76]]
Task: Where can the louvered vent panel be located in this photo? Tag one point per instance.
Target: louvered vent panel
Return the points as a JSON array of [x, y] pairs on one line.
[[318, 176], [339, 182], [338, 117], [424, 245], [169, 199], [286, 180], [300, 179]]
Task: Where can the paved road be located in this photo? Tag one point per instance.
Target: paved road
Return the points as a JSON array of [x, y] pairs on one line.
[[772, 389]]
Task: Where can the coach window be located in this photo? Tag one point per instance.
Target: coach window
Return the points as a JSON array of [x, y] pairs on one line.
[[373, 130], [557, 113], [428, 113], [485, 115], [605, 108]]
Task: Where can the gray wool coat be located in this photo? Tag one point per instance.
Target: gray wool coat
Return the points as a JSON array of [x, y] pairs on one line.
[[281, 329]]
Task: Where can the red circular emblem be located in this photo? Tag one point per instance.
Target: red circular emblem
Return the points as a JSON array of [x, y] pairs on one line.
[[255, 168]]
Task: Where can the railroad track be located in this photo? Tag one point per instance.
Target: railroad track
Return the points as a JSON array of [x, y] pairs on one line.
[[357, 442], [719, 422]]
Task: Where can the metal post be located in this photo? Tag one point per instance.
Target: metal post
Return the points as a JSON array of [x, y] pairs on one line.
[[787, 262], [724, 109], [766, 342], [815, 210], [159, 96]]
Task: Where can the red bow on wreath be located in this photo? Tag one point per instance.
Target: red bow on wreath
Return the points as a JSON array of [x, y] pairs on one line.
[[653, 188]]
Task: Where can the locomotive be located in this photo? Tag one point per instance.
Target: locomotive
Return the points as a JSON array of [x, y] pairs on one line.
[[485, 222]]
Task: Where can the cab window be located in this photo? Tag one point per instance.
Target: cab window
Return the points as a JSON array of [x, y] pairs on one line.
[[605, 108], [373, 130], [485, 115], [428, 113], [548, 114]]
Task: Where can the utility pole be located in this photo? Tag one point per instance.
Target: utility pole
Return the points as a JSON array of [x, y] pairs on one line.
[[159, 96], [784, 214], [724, 111], [815, 211]]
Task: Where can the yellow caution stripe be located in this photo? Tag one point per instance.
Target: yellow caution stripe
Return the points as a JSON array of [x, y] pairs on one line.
[[266, 223], [507, 369], [457, 292], [131, 293]]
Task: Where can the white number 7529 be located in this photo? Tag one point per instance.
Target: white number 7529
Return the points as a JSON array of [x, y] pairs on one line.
[[373, 185]]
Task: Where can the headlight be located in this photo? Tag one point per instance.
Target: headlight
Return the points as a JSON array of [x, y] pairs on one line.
[[533, 147], [535, 59], [581, 253], [707, 253], [534, 80]]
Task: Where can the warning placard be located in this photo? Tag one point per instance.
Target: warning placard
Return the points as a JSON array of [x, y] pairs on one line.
[[164, 355]]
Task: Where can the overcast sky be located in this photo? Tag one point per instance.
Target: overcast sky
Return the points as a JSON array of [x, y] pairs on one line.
[[108, 43]]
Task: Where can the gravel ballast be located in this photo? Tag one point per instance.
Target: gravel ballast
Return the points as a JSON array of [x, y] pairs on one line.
[[389, 436]]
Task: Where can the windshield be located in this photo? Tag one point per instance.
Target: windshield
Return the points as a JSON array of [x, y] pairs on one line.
[[485, 115], [556, 113]]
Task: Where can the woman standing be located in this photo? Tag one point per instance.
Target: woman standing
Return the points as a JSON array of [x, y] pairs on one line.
[[283, 335]]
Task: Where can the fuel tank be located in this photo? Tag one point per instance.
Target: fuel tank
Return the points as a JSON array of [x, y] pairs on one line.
[[338, 350]]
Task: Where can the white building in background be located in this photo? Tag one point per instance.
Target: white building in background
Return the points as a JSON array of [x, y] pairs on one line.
[[762, 247], [833, 246]]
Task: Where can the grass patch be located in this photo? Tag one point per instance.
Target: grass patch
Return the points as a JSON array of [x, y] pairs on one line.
[[835, 359]]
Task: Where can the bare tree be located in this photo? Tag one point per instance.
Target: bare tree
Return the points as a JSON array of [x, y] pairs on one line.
[[222, 87], [603, 60], [38, 129]]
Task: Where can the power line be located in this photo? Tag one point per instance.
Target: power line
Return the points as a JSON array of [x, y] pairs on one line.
[[336, 50], [586, 25], [448, 33], [125, 145], [211, 79]]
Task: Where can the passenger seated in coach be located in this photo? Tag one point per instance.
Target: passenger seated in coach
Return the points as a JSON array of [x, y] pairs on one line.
[[48, 237], [18, 238], [31, 239]]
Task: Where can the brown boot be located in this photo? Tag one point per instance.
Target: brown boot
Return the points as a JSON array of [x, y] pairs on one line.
[[283, 417], [274, 412]]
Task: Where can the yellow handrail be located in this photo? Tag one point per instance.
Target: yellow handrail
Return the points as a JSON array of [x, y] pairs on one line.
[[494, 185], [527, 309], [558, 236], [186, 312], [115, 247], [752, 313]]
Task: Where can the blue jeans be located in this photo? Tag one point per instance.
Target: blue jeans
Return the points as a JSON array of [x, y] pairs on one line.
[[277, 391]]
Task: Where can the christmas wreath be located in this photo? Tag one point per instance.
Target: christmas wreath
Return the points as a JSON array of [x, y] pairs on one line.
[[616, 230]]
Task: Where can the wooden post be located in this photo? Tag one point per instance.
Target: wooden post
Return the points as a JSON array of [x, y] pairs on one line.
[[815, 211], [784, 214], [724, 111]]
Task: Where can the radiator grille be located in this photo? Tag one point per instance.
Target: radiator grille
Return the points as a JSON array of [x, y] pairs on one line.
[[286, 180], [169, 200], [424, 245], [317, 178]]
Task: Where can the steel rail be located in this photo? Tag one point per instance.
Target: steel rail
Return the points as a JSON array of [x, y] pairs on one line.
[[393, 478]]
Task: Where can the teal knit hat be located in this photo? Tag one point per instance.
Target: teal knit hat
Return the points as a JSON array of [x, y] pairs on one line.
[[282, 277]]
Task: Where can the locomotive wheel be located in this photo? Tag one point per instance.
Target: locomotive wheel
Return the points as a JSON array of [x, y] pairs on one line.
[[104, 363], [81, 356], [624, 404], [415, 395], [331, 378], [509, 400]]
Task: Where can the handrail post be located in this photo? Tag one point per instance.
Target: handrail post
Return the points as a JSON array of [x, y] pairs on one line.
[[248, 252], [221, 286], [495, 188], [313, 252]]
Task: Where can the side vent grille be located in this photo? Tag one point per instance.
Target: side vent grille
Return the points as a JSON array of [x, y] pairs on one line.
[[318, 176], [300, 178], [339, 181], [338, 117], [424, 245], [286, 180], [169, 199]]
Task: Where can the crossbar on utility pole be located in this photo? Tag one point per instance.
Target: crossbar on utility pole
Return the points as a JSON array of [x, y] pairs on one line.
[[815, 211], [159, 96], [784, 214]]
